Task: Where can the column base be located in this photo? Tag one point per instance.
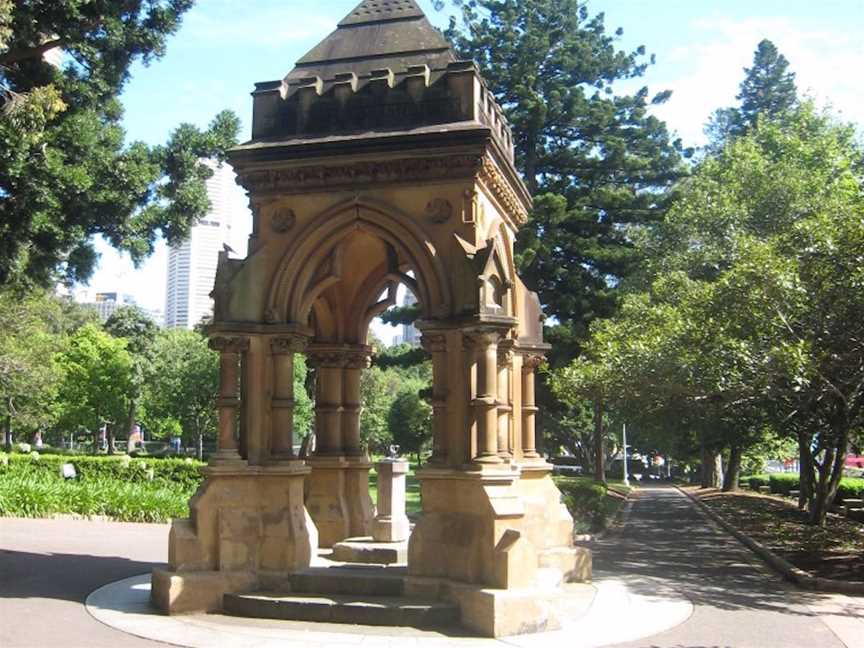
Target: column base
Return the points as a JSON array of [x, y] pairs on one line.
[[337, 497]]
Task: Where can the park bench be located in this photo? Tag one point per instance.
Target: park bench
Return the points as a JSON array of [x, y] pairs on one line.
[[765, 490], [852, 505]]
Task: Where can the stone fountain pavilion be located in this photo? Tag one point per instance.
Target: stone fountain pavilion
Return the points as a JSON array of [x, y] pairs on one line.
[[381, 159]]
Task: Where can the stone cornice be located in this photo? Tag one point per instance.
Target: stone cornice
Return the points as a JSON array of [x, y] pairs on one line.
[[226, 344]]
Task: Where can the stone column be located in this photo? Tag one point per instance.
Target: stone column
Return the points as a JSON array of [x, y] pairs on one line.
[[328, 401], [436, 345], [230, 350], [282, 403], [356, 360], [391, 524], [485, 403], [529, 406], [505, 408]]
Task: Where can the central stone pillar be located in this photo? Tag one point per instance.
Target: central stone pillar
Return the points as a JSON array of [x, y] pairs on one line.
[[391, 524], [337, 494]]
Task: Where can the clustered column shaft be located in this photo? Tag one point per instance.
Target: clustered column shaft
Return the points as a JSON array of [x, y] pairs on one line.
[[283, 402], [230, 350], [356, 361], [529, 406], [486, 401], [505, 409], [436, 345]]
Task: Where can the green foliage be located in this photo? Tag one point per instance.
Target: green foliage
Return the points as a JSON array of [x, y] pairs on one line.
[[410, 423], [129, 490], [184, 473], [597, 162], [755, 481], [66, 174], [588, 502], [97, 376]]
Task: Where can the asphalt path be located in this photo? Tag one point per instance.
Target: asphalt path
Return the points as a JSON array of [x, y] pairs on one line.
[[738, 601]]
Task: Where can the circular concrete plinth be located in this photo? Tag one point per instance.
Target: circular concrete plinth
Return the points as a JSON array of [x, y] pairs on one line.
[[607, 612]]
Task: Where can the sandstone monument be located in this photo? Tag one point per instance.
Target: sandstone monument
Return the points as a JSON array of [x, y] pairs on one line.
[[379, 160]]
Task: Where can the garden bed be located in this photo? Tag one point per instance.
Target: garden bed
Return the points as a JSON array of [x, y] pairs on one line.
[[835, 551]]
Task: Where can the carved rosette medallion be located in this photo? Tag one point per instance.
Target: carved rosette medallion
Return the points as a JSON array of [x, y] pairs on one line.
[[439, 211], [282, 220]]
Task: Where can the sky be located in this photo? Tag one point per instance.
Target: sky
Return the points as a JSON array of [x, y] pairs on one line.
[[701, 48]]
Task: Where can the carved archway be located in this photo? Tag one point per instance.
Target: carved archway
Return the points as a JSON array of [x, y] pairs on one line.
[[314, 264]]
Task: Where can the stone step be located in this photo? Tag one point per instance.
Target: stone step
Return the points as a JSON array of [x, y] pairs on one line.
[[351, 580], [338, 608]]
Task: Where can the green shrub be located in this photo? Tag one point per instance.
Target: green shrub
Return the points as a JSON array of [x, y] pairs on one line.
[[37, 494], [850, 488], [183, 473], [782, 483], [755, 481], [587, 502]]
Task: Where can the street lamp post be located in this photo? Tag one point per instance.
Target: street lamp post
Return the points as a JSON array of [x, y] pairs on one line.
[[626, 471]]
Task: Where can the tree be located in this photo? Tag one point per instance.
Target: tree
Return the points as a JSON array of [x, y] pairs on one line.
[[65, 173], [596, 162], [183, 385], [139, 330], [767, 91], [96, 377], [410, 422], [33, 327], [754, 314]]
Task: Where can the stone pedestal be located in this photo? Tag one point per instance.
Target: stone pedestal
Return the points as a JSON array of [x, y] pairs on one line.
[[248, 528], [337, 497], [391, 523]]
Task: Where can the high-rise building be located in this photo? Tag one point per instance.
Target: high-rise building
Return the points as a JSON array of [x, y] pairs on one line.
[[104, 303], [410, 334], [192, 264]]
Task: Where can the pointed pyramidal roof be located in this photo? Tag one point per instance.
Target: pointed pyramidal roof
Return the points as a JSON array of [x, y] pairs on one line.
[[377, 34]]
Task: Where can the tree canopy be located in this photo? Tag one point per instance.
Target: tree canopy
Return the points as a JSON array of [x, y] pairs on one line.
[[66, 173], [597, 161]]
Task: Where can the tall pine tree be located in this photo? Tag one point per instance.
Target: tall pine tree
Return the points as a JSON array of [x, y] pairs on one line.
[[767, 91], [596, 161]]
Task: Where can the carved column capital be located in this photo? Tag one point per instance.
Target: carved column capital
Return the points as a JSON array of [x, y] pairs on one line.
[[285, 344], [483, 337], [434, 342], [533, 361], [340, 357], [505, 353], [229, 344]]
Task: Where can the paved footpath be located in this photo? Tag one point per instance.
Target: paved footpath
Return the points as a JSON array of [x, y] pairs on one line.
[[666, 547], [739, 603]]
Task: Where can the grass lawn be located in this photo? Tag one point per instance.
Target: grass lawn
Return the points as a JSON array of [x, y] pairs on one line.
[[836, 551]]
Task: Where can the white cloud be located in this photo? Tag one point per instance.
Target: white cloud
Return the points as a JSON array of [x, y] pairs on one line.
[[117, 273], [827, 64]]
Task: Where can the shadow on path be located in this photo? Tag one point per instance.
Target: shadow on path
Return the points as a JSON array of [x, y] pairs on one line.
[[67, 577], [667, 537]]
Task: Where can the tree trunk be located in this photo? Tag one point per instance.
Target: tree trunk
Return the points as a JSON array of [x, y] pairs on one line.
[[712, 468], [110, 437], [599, 453], [805, 472], [830, 472], [733, 470], [7, 428], [200, 443]]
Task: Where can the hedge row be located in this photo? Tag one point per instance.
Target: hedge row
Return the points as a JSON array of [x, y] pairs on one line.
[[184, 473], [783, 483], [587, 502]]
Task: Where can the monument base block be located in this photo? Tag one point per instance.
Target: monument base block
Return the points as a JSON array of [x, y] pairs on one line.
[[195, 592], [370, 552], [248, 527]]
